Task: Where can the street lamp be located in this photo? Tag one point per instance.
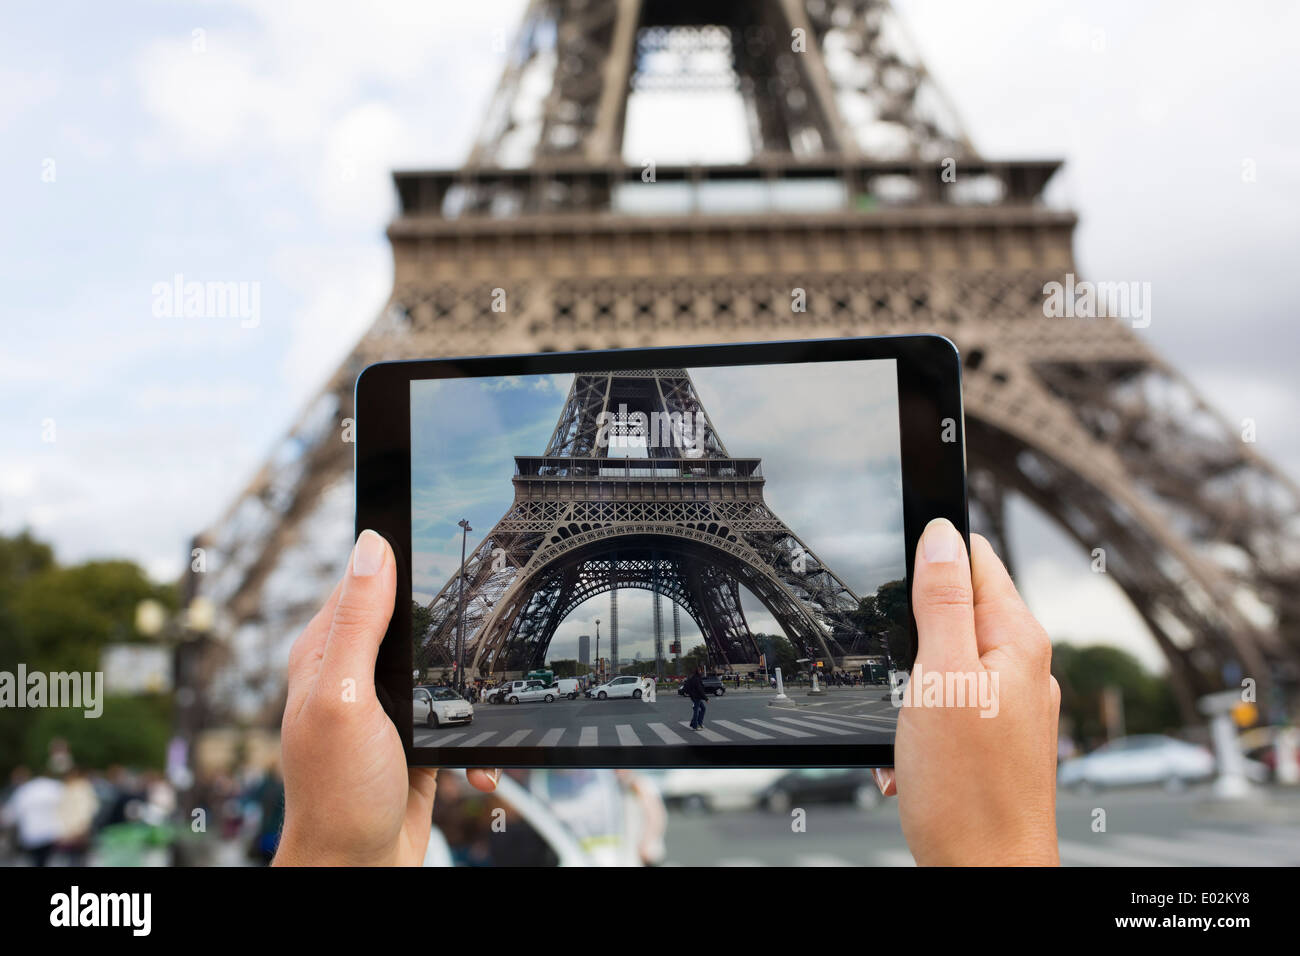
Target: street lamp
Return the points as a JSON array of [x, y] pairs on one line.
[[598, 667], [460, 616]]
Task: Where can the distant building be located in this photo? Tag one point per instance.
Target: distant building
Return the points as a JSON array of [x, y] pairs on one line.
[[584, 649]]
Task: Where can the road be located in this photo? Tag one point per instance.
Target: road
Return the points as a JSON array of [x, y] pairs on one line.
[[1146, 827], [840, 716]]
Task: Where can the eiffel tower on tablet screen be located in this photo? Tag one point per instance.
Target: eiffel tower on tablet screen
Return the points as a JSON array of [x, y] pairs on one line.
[[859, 207], [685, 521]]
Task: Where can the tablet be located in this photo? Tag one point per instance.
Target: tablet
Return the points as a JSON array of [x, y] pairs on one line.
[[669, 557]]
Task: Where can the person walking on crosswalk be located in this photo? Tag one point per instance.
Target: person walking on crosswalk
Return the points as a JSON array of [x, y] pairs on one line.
[[694, 689], [648, 683]]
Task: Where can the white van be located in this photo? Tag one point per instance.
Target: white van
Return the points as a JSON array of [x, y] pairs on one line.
[[566, 687]]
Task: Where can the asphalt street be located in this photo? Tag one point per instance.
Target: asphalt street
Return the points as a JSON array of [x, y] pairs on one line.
[[1144, 827], [840, 716]]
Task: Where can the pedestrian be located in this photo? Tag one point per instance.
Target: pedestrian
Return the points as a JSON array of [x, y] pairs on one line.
[[648, 691], [694, 688], [33, 809]]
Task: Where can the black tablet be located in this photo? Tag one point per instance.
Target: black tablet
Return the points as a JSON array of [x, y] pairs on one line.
[[666, 557]]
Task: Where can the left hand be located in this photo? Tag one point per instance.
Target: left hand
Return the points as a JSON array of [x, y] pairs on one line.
[[350, 798]]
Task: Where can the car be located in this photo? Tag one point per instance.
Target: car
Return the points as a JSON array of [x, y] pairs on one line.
[[522, 689], [566, 687], [842, 785], [533, 690], [1136, 760], [439, 706], [618, 687], [704, 790], [712, 685]]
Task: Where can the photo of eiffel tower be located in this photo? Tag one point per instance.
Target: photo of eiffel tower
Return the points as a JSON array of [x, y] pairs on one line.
[[686, 521], [862, 209]]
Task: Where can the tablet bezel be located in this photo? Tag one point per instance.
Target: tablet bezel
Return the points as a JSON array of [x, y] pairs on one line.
[[934, 485]]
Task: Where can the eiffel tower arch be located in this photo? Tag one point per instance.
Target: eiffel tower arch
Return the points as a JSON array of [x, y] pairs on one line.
[[687, 522], [863, 208]]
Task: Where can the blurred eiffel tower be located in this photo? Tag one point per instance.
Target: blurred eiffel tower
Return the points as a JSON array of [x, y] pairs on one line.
[[862, 197]]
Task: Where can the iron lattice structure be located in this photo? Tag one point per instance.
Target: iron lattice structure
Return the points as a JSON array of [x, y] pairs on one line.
[[849, 208], [687, 522]]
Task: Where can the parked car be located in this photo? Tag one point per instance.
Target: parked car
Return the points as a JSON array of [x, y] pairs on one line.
[[533, 690], [1140, 759], [502, 694], [618, 687], [438, 706], [566, 687], [712, 685], [732, 788], [798, 787]]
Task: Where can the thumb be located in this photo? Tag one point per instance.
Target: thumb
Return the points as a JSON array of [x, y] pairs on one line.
[[943, 600], [361, 617]]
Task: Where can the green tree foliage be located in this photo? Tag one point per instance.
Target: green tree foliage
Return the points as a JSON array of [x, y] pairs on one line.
[[1150, 706], [885, 614], [780, 653], [55, 618]]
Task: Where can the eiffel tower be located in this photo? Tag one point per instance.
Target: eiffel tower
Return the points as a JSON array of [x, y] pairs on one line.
[[863, 208], [687, 522]]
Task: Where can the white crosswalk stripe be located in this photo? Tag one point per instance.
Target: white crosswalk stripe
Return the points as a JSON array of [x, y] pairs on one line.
[[476, 741], [745, 731], [666, 735], [436, 740], [1074, 853], [551, 737], [854, 722], [707, 734], [514, 739], [822, 728], [768, 725], [588, 737], [626, 736]]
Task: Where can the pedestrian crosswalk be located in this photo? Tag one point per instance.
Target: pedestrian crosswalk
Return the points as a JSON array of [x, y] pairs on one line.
[[805, 727]]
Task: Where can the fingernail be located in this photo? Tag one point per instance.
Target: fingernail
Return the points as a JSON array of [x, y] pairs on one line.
[[495, 775], [368, 555], [879, 777], [940, 542]]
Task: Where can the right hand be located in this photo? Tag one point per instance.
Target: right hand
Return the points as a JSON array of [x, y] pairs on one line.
[[973, 790]]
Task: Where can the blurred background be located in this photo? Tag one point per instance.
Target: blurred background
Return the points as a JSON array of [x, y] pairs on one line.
[[146, 458]]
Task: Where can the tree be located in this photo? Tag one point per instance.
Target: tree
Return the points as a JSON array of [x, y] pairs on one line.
[[1085, 672], [886, 614], [568, 667], [780, 652], [55, 618]]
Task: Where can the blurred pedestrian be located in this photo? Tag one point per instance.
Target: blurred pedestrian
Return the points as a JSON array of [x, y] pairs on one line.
[[34, 809], [77, 808]]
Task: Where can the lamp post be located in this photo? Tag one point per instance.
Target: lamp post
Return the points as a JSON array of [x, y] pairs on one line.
[[460, 615], [598, 668]]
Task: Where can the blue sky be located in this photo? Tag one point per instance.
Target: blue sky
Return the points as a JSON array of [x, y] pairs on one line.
[[259, 149], [827, 435]]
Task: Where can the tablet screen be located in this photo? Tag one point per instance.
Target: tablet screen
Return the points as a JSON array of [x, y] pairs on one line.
[[649, 558]]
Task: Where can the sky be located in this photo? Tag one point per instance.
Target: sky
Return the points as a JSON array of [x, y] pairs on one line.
[[252, 143], [826, 434]]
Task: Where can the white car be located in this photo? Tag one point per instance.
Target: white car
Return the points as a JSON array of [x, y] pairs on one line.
[[1136, 760], [732, 788], [566, 687], [618, 687], [439, 706], [533, 690]]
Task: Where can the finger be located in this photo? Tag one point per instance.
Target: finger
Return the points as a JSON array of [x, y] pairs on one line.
[[305, 654], [884, 777], [942, 599], [485, 780], [361, 616], [1001, 616]]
